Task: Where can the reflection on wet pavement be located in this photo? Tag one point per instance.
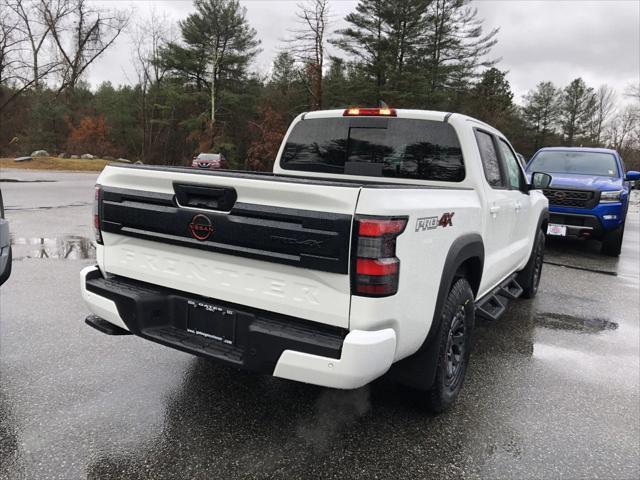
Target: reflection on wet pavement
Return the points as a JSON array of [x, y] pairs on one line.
[[71, 247], [580, 255]]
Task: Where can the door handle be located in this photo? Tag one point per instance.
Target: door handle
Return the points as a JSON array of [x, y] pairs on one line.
[[494, 210], [518, 207]]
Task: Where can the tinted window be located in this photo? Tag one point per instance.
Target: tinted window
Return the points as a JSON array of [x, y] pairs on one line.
[[579, 163], [379, 147], [489, 158], [513, 168]]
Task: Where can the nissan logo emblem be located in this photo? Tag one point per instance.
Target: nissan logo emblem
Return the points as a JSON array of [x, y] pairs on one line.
[[201, 227]]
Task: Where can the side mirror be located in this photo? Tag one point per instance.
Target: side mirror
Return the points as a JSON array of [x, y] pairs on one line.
[[540, 181], [632, 176]]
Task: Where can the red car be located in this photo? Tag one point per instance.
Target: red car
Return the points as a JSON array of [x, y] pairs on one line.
[[210, 160]]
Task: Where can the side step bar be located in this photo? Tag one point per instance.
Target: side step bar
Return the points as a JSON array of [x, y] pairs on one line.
[[493, 305], [511, 289], [103, 326]]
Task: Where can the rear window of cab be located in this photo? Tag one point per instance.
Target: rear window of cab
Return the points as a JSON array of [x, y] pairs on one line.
[[376, 147]]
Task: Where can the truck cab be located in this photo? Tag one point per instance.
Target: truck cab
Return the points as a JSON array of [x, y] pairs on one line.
[[589, 195]]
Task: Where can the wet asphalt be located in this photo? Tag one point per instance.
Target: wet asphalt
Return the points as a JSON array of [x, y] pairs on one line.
[[552, 390]]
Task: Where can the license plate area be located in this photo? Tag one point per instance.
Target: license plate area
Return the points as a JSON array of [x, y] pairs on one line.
[[211, 321], [557, 230]]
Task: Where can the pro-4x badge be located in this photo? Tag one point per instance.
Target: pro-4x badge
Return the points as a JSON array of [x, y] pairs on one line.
[[445, 219], [431, 223]]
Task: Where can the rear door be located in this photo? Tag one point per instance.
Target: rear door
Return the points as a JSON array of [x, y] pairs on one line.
[[500, 214], [272, 244], [521, 204]]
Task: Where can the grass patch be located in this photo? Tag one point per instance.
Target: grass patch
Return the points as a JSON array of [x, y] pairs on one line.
[[55, 163]]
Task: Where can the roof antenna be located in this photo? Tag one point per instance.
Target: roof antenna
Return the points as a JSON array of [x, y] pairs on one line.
[[382, 104]]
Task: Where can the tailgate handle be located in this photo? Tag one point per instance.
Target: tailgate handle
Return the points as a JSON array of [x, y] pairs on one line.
[[205, 197]]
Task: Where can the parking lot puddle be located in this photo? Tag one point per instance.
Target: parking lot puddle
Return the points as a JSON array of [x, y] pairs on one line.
[[69, 247], [561, 321], [15, 180], [46, 207]]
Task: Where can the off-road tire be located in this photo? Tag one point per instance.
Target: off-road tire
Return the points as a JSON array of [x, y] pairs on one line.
[[7, 273], [612, 242], [529, 277], [458, 316]]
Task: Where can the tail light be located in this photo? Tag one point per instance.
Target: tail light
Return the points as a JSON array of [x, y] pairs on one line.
[[376, 268], [97, 214]]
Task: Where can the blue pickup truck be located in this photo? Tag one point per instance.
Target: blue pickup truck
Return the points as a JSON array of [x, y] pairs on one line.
[[589, 194]]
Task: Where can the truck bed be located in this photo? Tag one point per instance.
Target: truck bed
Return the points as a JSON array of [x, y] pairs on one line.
[[276, 177]]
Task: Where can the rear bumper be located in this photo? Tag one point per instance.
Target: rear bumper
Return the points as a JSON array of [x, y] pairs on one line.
[[100, 306], [283, 346], [365, 357]]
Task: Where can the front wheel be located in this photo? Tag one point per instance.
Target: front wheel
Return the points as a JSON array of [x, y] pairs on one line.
[[612, 242], [458, 315], [529, 277]]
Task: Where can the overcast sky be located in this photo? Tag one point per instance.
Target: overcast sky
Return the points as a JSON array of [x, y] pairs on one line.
[[555, 40]]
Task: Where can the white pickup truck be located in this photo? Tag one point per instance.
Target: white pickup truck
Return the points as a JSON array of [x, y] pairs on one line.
[[379, 237]]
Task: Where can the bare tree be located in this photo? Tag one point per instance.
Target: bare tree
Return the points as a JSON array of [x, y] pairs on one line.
[[622, 128], [10, 47], [307, 45], [633, 91], [35, 31], [15, 66], [605, 104], [149, 39], [89, 31]]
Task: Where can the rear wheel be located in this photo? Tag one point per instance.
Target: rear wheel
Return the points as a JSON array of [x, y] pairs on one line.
[[529, 277], [458, 315], [612, 242]]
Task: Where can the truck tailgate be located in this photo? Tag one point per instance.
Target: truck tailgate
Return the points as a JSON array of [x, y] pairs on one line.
[[254, 240]]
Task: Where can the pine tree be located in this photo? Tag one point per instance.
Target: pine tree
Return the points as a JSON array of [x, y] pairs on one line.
[[284, 71], [541, 111], [414, 49], [366, 40], [577, 107], [218, 44], [491, 98], [455, 46]]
